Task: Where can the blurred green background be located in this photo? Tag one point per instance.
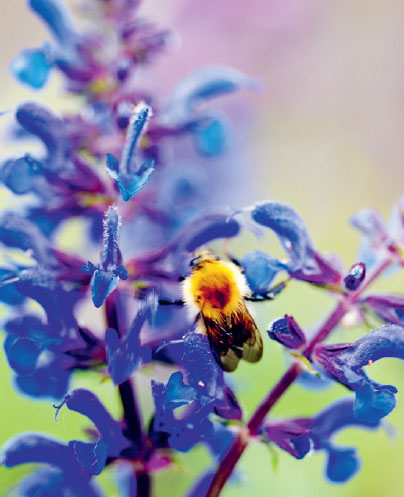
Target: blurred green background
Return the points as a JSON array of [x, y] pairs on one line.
[[326, 136]]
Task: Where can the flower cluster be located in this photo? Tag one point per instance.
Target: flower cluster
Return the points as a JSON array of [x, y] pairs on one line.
[[135, 170]]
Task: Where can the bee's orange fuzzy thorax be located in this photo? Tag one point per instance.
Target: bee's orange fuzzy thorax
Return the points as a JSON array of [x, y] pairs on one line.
[[215, 288]]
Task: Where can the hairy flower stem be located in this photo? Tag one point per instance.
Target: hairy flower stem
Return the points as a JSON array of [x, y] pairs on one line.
[[131, 413], [228, 463]]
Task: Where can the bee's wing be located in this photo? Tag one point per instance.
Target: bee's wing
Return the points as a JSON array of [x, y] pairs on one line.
[[237, 338], [249, 334]]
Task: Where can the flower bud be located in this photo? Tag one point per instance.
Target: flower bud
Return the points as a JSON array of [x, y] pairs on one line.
[[355, 276], [287, 332]]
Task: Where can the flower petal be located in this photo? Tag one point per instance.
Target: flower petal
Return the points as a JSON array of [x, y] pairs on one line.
[[342, 464], [291, 230], [372, 225], [92, 456], [345, 363], [49, 482], [54, 14], [22, 355], [17, 231], [388, 307], [123, 356], [20, 175], [260, 270], [210, 137], [201, 85], [31, 67], [38, 448], [39, 121], [88, 404]]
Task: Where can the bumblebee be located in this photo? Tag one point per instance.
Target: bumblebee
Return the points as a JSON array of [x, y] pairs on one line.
[[215, 293]]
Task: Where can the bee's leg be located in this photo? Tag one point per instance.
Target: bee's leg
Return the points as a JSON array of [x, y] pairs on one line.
[[270, 294], [229, 255], [170, 302]]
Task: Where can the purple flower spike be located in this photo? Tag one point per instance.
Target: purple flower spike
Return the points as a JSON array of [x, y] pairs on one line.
[[131, 178], [260, 270], [287, 332], [124, 355], [388, 307], [345, 363], [106, 275], [355, 276]]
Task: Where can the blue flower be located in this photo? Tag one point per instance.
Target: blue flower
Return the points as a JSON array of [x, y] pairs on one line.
[[299, 436], [390, 308], [204, 392], [379, 234], [305, 262], [105, 275], [372, 225], [345, 363], [111, 441], [130, 177], [71, 465]]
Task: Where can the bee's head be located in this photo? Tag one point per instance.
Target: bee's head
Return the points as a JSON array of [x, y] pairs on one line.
[[202, 257]]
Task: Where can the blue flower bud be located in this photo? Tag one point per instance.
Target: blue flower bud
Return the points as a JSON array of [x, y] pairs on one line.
[[355, 276], [287, 332]]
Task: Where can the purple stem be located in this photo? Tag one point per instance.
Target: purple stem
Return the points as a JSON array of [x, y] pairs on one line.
[[131, 413], [228, 463]]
